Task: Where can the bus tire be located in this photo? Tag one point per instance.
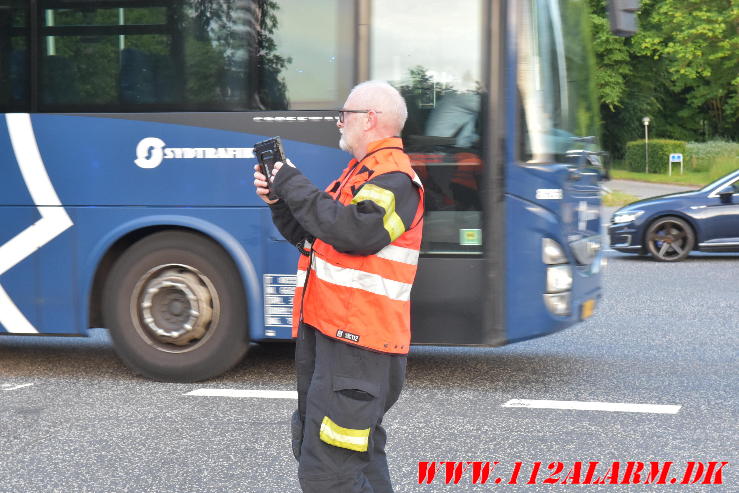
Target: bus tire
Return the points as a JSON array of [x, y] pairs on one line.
[[175, 307]]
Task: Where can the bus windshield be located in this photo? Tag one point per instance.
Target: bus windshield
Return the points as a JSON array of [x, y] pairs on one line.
[[555, 78]]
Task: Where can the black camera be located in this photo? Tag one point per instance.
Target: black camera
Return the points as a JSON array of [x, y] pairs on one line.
[[269, 152]]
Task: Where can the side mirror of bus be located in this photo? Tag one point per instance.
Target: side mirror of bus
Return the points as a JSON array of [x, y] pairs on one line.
[[605, 174], [596, 161], [605, 168]]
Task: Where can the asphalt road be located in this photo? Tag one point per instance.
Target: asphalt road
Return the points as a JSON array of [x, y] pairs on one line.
[[74, 419], [643, 189]]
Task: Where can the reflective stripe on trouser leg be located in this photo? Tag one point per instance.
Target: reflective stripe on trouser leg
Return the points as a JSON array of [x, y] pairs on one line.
[[347, 438]]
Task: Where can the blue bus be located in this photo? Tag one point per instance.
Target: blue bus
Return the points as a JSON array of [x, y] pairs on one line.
[[126, 196]]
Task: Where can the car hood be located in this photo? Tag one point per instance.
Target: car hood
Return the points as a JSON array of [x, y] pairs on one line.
[[662, 201]]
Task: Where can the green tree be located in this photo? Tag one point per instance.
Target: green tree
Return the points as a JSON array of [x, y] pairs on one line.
[[614, 56], [699, 40], [627, 87], [680, 69]]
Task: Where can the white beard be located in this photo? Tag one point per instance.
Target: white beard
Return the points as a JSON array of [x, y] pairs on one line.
[[343, 145]]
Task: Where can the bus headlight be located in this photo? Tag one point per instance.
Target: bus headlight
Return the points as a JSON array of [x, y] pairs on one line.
[[558, 304], [557, 297], [552, 252], [559, 278]]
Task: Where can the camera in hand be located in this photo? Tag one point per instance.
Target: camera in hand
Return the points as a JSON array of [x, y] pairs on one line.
[[269, 152]]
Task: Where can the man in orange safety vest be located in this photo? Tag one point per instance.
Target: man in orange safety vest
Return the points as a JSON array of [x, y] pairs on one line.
[[359, 241]]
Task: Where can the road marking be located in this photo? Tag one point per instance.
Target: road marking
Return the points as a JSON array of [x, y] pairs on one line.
[[594, 406], [10, 386], [261, 394]]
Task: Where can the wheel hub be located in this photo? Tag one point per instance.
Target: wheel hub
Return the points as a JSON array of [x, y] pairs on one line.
[[176, 307]]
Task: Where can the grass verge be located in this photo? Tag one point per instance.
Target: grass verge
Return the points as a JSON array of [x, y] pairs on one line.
[[719, 167], [695, 179], [618, 199]]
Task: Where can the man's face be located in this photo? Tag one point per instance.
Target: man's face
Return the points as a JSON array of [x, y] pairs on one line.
[[351, 129]]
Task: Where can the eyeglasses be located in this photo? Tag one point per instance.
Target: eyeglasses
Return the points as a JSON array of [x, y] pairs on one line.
[[342, 111]]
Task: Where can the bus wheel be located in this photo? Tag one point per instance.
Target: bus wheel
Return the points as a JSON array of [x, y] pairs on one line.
[[669, 239], [176, 309]]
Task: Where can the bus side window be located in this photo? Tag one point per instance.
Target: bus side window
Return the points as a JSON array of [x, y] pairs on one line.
[[306, 51], [59, 68], [189, 55], [14, 82], [137, 77], [146, 78], [183, 55]]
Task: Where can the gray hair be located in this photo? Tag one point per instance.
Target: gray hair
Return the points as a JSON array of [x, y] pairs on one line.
[[381, 96]]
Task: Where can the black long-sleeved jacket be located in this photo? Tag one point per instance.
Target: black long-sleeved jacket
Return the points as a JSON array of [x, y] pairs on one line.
[[305, 212]]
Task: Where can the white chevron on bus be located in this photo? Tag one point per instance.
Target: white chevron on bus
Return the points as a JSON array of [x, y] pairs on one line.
[[54, 219]]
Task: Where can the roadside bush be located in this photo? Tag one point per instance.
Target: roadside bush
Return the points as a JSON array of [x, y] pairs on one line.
[[703, 156], [659, 154]]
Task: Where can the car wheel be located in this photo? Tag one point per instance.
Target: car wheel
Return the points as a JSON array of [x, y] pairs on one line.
[[669, 239], [176, 309]]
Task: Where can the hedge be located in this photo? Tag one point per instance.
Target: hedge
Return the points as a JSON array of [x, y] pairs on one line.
[[659, 155]]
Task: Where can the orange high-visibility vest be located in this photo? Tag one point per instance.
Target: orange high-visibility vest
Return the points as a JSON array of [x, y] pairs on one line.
[[363, 299]]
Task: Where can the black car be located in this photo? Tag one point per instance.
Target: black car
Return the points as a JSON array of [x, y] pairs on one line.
[[671, 226]]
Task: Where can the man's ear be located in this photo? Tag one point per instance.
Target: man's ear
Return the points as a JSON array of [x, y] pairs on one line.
[[370, 122]]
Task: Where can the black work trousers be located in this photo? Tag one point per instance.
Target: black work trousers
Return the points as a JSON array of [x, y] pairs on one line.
[[343, 391]]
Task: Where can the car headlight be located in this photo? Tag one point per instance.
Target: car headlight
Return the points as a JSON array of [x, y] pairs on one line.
[[626, 217]]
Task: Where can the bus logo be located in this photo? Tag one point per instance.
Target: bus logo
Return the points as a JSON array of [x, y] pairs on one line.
[[150, 152]]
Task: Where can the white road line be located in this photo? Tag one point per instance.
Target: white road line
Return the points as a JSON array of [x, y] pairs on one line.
[[261, 394], [10, 386], [623, 407]]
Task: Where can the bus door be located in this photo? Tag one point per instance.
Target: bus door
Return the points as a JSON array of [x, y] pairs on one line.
[[436, 61]]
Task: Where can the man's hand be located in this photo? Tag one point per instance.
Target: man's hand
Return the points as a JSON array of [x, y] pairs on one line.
[[260, 181], [277, 167]]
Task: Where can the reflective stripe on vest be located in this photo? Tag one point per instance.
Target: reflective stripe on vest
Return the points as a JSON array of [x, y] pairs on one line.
[[356, 279], [399, 254], [300, 278], [385, 199]]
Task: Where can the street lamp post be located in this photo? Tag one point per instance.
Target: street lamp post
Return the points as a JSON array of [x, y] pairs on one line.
[[646, 121]]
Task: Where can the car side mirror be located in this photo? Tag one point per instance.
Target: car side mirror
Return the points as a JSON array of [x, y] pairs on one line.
[[727, 196]]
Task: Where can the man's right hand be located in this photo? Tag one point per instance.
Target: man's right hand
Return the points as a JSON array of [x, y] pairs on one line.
[[260, 182]]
